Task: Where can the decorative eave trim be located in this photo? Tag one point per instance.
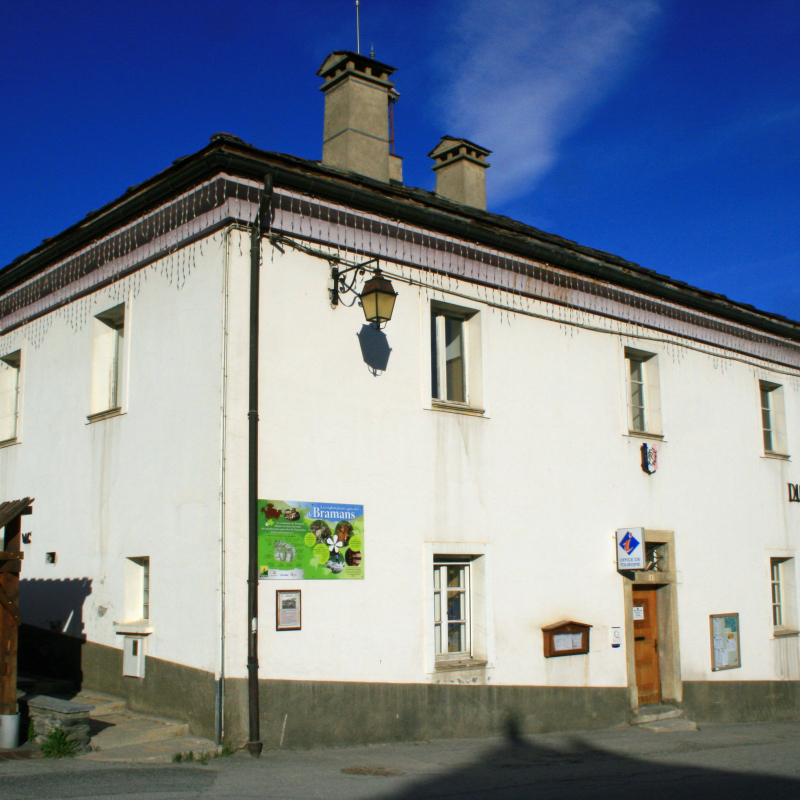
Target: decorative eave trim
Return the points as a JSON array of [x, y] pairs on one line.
[[414, 206]]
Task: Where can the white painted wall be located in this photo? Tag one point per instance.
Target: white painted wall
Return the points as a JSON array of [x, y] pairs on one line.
[[537, 486], [145, 483]]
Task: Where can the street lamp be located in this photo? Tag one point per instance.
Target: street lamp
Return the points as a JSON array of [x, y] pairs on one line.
[[377, 299], [377, 296]]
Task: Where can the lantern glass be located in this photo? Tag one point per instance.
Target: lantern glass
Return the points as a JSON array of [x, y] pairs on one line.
[[377, 299]]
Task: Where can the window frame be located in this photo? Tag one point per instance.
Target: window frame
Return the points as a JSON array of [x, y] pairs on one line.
[[137, 589], [773, 419], [13, 361], [108, 363], [783, 595], [441, 564], [436, 315], [649, 389]]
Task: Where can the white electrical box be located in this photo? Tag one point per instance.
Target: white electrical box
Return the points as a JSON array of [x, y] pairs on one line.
[[133, 656]]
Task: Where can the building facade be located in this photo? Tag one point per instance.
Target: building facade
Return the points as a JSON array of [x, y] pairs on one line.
[[528, 399]]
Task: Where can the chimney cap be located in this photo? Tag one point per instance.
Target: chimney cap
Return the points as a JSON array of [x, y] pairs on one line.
[[451, 148], [341, 63]]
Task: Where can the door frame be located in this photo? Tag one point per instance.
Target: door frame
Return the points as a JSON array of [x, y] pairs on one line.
[[669, 660]]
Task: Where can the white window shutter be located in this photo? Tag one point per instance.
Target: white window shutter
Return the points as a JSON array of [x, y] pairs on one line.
[[652, 396], [8, 401]]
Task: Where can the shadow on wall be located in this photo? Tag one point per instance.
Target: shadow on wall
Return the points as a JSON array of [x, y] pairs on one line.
[[55, 605], [375, 349], [52, 635], [519, 769]]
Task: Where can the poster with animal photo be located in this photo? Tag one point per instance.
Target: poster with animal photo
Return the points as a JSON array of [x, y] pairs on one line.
[[300, 540]]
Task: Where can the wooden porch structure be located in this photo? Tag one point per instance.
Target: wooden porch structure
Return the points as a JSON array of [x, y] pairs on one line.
[[11, 513]]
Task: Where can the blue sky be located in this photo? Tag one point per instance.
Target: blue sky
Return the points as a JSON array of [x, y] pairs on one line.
[[665, 131]]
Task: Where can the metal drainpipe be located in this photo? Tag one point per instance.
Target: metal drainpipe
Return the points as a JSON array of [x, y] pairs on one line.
[[219, 691], [254, 744]]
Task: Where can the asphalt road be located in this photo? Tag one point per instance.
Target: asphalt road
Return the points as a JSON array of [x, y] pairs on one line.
[[718, 761]]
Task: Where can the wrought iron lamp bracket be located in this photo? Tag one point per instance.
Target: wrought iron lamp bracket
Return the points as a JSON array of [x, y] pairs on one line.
[[340, 282]]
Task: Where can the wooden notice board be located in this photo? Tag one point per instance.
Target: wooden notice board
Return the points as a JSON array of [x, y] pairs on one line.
[[566, 638]]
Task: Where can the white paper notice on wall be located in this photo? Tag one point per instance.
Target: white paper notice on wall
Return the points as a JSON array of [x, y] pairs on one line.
[[566, 641], [638, 612]]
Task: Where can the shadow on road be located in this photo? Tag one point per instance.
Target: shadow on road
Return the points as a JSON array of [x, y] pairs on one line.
[[518, 769]]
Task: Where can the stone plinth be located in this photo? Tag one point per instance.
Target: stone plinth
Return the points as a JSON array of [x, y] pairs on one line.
[[50, 713]]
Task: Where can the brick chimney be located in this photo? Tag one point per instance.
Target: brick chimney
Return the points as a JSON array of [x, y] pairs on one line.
[[356, 136], [461, 171]]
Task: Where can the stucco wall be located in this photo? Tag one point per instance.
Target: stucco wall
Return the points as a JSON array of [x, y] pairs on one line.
[[538, 484], [144, 483]]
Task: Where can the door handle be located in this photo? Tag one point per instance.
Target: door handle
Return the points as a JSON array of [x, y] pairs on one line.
[[655, 643], [639, 638]]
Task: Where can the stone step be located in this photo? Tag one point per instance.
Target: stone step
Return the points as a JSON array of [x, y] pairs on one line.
[[654, 713], [126, 728], [161, 752], [104, 704]]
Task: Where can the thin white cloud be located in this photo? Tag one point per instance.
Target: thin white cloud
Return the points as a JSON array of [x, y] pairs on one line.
[[521, 75]]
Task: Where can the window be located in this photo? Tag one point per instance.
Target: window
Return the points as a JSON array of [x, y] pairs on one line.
[[455, 358], [783, 595], [145, 562], [644, 392], [137, 588], [773, 418], [107, 357], [9, 396], [448, 378], [451, 608]]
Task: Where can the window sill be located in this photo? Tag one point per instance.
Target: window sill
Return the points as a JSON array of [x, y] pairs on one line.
[[101, 415], [9, 442], [452, 665], [645, 435], [778, 456], [142, 627], [780, 633], [456, 408]]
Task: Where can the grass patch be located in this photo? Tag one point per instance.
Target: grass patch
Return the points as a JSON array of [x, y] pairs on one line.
[[204, 756], [56, 745]]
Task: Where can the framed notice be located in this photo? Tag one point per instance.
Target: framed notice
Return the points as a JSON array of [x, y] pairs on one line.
[[725, 652], [287, 610]]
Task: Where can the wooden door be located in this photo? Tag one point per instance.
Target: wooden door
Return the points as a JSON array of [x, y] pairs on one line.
[[645, 645]]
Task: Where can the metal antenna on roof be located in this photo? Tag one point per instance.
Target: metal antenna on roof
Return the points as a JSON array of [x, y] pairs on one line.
[[372, 51], [358, 32]]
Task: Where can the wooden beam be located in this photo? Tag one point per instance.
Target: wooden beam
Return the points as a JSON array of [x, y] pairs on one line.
[[9, 605], [10, 621]]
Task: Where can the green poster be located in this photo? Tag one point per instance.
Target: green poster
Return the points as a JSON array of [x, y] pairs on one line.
[[310, 541]]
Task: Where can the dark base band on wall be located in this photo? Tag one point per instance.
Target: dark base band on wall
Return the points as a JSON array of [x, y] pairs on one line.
[[741, 701], [308, 714]]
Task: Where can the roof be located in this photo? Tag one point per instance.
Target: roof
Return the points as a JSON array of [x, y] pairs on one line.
[[230, 153], [13, 508]]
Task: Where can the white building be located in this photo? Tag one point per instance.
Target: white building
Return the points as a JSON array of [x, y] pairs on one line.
[[492, 433]]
